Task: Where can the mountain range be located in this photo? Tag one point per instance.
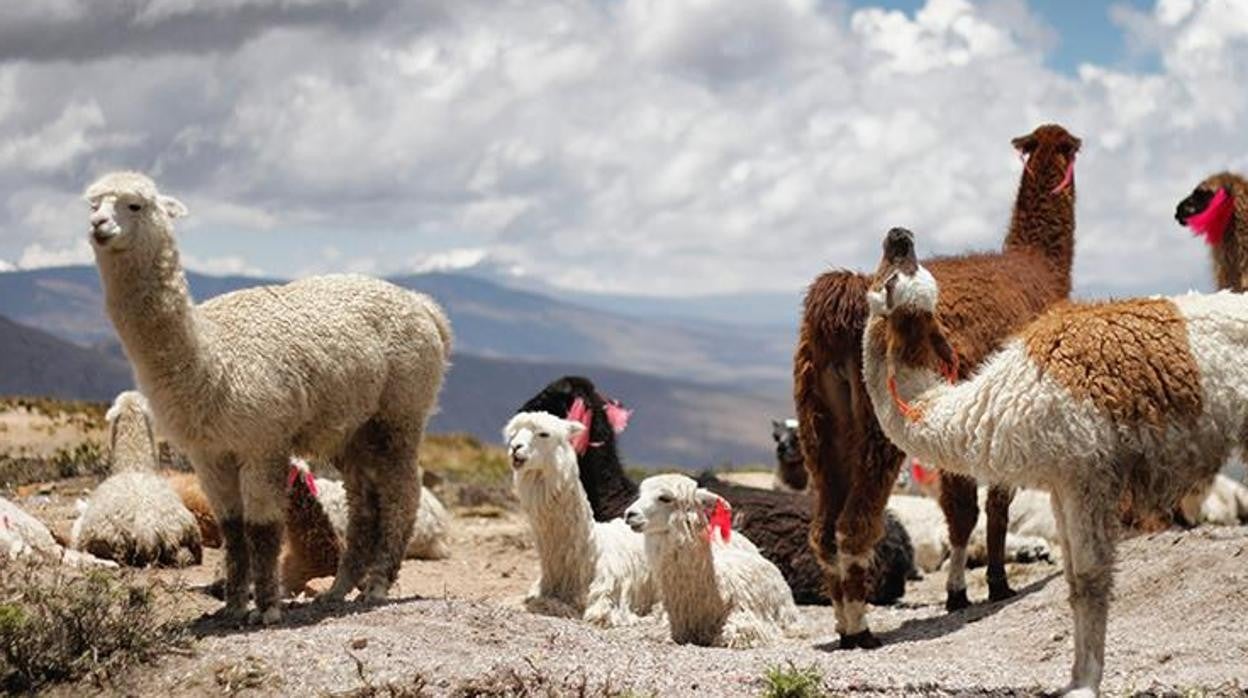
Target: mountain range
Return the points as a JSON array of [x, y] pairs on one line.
[[703, 387]]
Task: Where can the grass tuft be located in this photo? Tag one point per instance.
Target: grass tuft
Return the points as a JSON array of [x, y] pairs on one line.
[[793, 682]]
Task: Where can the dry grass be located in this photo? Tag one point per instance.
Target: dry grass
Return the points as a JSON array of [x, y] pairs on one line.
[[474, 475], [59, 624]]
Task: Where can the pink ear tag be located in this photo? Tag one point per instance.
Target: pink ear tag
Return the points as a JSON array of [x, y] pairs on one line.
[[580, 412], [1211, 222], [292, 475], [617, 416], [310, 480], [721, 519]]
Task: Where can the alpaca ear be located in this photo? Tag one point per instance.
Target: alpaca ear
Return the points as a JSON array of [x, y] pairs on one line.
[[1025, 144], [707, 499], [574, 428], [172, 207]]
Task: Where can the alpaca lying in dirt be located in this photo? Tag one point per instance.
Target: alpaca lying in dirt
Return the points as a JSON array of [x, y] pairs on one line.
[[22, 535], [591, 570], [345, 367], [714, 592], [134, 516], [1094, 402]]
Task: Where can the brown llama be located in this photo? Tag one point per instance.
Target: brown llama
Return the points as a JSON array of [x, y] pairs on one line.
[[1216, 210], [984, 298]]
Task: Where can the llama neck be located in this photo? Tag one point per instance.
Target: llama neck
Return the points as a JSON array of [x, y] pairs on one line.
[[684, 566], [932, 438], [133, 448], [1044, 222], [563, 529], [1230, 259], [147, 299]]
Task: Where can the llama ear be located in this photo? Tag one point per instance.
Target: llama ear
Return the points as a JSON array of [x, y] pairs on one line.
[[172, 207], [1025, 144]]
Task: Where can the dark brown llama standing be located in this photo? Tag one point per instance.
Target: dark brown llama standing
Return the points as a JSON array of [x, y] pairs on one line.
[[984, 297], [1216, 210]]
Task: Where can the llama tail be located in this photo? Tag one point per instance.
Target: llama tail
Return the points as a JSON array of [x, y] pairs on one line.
[[444, 327]]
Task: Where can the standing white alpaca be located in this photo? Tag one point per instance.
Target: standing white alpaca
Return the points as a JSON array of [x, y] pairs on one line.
[[714, 592], [1091, 401], [135, 517], [342, 367], [591, 570]]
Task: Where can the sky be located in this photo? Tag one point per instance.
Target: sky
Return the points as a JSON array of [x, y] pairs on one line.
[[659, 147]]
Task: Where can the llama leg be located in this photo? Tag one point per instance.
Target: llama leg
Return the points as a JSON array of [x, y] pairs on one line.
[[219, 480], [998, 506], [1089, 529], [263, 485], [958, 501], [397, 492], [361, 526]]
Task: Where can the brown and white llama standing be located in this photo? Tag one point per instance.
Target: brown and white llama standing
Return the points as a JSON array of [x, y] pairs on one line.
[[986, 296], [1216, 210], [1099, 403]]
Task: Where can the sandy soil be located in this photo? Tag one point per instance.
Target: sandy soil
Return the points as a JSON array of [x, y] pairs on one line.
[[456, 626]]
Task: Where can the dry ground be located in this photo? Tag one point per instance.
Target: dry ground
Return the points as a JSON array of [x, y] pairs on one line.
[[456, 627]]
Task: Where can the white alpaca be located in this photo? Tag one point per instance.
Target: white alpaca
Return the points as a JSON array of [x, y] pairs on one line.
[[714, 592], [1224, 502], [925, 523], [22, 535], [343, 367], [429, 533], [590, 570], [135, 517], [1140, 399]]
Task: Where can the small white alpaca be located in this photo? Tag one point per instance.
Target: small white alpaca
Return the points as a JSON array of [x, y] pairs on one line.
[[134, 516], [22, 535], [343, 367], [590, 570], [1095, 402], [715, 592]]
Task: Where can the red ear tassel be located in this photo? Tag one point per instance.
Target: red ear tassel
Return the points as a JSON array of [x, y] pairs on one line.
[[310, 480], [721, 519]]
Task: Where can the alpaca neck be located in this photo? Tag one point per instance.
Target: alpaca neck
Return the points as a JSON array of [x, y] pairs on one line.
[[133, 446], [684, 566], [563, 528], [928, 439], [1044, 222], [147, 299], [1229, 258]]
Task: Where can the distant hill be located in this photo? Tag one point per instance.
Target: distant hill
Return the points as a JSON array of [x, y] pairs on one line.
[[489, 320], [33, 362], [678, 423]]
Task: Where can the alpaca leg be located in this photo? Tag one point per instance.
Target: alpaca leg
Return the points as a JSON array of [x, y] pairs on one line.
[[998, 506], [958, 502], [219, 480], [361, 527], [1089, 530], [263, 484], [396, 480]]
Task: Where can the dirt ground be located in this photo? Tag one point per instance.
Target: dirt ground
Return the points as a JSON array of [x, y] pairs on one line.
[[456, 627]]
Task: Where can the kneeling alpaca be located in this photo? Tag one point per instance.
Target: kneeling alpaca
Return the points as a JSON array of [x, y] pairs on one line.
[[591, 570], [1093, 402], [135, 517], [714, 592]]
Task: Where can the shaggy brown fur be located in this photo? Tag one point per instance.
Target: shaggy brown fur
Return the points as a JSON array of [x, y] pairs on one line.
[[983, 298], [1230, 253], [311, 547], [187, 487]]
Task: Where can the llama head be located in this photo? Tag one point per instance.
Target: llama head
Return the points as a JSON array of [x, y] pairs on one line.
[[535, 441], [904, 296], [674, 504], [1210, 206], [128, 212], [791, 466], [1048, 155]]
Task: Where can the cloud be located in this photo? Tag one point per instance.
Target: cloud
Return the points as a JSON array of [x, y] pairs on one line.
[[653, 146]]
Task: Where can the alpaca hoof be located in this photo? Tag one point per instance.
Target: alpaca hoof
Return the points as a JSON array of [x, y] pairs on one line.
[[864, 640], [374, 593], [229, 613], [957, 600], [1078, 692], [268, 616], [1000, 591]]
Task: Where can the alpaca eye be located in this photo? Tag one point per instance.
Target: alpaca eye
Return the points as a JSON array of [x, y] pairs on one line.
[[135, 207], [665, 498], [543, 435]]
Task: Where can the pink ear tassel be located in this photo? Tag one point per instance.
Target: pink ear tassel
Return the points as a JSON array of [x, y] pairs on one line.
[[1068, 177], [1211, 222], [580, 412], [292, 476], [617, 416]]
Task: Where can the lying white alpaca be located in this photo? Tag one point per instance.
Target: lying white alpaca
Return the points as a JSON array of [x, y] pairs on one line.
[[429, 532], [714, 592], [925, 523], [1224, 502], [1093, 402], [135, 517], [344, 367], [590, 570], [22, 535]]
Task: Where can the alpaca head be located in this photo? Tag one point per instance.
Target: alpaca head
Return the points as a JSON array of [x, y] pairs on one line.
[[791, 466], [674, 504], [129, 403], [131, 435], [1210, 206], [540, 444], [904, 296], [1048, 155], [127, 212]]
